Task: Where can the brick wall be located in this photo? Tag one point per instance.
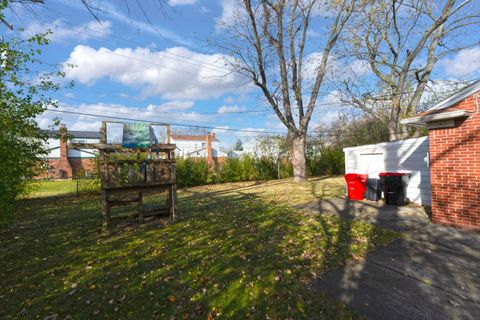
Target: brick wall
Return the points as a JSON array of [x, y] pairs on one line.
[[77, 164], [455, 170], [82, 164]]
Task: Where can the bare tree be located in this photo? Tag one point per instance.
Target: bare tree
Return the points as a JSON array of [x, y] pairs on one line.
[[401, 41], [94, 7], [270, 47]]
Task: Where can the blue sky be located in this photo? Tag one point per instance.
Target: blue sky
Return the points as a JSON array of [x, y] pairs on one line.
[[164, 68]]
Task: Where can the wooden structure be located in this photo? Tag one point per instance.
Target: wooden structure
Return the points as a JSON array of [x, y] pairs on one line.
[[126, 173]]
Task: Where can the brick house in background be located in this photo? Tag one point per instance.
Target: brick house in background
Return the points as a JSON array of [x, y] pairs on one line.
[[454, 134], [199, 146], [62, 162]]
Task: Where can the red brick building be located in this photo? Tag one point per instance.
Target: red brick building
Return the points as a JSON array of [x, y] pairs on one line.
[[454, 133], [62, 162]]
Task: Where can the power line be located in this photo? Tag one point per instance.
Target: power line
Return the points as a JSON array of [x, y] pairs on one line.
[[165, 123], [266, 110], [140, 114]]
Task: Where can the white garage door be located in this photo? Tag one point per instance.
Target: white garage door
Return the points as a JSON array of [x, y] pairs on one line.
[[371, 163]]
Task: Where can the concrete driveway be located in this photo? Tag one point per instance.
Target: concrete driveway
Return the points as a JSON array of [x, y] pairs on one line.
[[432, 273]]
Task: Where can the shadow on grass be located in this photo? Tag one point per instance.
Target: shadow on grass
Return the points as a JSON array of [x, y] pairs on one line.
[[430, 273], [234, 255]]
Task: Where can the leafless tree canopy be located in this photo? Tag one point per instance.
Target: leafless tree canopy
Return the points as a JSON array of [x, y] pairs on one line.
[[269, 47], [402, 40], [94, 7], [269, 41]]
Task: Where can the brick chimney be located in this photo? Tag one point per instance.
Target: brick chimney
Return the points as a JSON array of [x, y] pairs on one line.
[[63, 167], [210, 138]]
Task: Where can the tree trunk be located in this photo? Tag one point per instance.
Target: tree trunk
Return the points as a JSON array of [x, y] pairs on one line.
[[394, 130], [297, 152]]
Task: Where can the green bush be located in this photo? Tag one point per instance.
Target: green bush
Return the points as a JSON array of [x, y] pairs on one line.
[[89, 185], [329, 161], [196, 172], [193, 173], [232, 170]]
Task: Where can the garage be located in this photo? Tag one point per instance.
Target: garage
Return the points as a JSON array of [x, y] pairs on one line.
[[410, 156]]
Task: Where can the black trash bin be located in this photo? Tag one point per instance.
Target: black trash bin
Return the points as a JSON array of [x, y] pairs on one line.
[[395, 187], [374, 189]]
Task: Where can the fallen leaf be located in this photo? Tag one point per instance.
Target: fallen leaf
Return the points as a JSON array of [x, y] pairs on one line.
[[454, 303]]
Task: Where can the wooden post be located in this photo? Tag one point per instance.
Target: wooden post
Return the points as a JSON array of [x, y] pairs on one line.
[[103, 168], [173, 202], [173, 188], [140, 208], [105, 213], [103, 133], [168, 133]]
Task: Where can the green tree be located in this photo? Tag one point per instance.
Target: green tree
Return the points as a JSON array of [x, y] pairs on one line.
[[23, 96], [238, 145]]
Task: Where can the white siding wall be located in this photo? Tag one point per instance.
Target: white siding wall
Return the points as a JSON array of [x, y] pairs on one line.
[[409, 155], [186, 147], [54, 145], [72, 153]]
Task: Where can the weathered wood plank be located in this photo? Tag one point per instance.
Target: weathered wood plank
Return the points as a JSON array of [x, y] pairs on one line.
[[140, 208], [139, 161], [141, 187], [161, 147]]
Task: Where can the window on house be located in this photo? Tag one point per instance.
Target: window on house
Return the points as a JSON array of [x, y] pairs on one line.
[[204, 144]]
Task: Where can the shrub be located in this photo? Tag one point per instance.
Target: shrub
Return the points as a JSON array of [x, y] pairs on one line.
[[192, 172], [329, 161]]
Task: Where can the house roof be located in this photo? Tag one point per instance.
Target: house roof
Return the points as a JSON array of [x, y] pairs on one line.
[[440, 110], [75, 134], [190, 137]]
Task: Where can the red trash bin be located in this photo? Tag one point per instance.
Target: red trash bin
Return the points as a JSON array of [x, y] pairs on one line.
[[356, 185]]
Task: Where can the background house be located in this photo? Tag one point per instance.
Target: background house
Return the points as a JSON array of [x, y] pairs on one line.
[[63, 162], [199, 146], [261, 147]]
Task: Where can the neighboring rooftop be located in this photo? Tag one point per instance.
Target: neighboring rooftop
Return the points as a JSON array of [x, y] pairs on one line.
[[75, 134], [190, 137]]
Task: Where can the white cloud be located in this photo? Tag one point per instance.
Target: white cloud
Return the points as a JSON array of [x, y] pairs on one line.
[[203, 10], [336, 69], [313, 34], [250, 132], [222, 129], [171, 105], [229, 100], [227, 109], [174, 3], [175, 73], [61, 31], [230, 10], [463, 64]]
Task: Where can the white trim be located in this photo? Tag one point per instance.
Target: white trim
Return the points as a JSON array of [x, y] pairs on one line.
[[424, 120], [384, 144]]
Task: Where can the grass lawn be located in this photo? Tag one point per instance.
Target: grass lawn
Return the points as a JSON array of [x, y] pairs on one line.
[[240, 251]]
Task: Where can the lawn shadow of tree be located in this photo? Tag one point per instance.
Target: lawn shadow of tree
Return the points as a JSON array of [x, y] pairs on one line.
[[232, 253]]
